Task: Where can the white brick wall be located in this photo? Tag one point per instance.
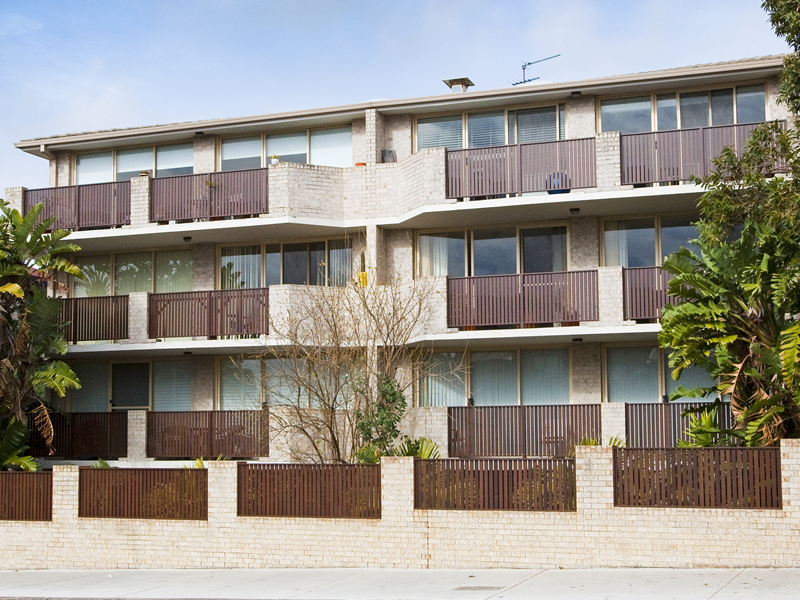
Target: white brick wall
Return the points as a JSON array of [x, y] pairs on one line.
[[140, 201], [777, 110], [204, 154], [609, 174], [16, 198], [203, 368], [613, 421], [580, 117], [137, 435], [203, 267], [137, 318], [611, 302], [583, 243]]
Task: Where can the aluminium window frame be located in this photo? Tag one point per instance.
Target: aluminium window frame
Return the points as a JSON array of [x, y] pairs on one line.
[[659, 258], [154, 149]]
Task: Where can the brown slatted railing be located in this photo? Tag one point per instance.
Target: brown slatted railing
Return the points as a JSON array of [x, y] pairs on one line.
[[644, 292], [697, 477], [143, 493], [26, 496], [302, 490], [211, 313], [84, 206], [97, 318], [663, 425], [544, 166], [89, 435], [495, 484], [209, 195], [208, 434], [525, 299], [551, 430], [670, 156]]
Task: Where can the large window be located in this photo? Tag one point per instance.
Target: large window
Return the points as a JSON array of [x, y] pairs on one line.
[[122, 165], [492, 251], [124, 273], [644, 242], [328, 262], [663, 112], [495, 128], [249, 384], [241, 153], [496, 378], [641, 374]]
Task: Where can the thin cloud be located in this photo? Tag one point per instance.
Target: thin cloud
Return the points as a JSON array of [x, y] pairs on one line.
[[12, 24]]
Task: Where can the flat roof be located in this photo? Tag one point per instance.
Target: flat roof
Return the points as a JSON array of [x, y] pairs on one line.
[[705, 74]]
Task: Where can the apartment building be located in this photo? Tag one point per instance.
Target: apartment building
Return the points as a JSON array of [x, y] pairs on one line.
[[543, 212]]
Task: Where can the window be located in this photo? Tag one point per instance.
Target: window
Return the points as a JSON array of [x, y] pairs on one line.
[[289, 147], [241, 153], [443, 254], [331, 147], [130, 386], [536, 125], [493, 378], [436, 132], [544, 376], [494, 251], [172, 385], [94, 168], [92, 396], [125, 273], [130, 163], [444, 383], [240, 384], [685, 110], [544, 249], [645, 242], [486, 129], [174, 160], [316, 263], [123, 165]]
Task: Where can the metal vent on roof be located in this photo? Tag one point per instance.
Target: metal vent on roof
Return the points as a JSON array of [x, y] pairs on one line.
[[460, 84]]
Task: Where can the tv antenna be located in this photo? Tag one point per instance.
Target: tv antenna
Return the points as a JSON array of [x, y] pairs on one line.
[[528, 64]]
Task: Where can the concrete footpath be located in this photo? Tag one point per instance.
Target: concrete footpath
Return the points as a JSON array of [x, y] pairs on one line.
[[401, 584]]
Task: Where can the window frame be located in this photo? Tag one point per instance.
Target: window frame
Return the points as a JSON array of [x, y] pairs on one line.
[[657, 232], [153, 149]]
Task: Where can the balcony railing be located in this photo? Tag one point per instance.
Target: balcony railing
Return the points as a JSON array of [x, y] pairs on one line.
[[489, 431], [84, 206], [671, 156], [541, 167], [85, 435], [645, 292], [655, 425], [209, 196], [92, 319], [524, 299], [211, 313]]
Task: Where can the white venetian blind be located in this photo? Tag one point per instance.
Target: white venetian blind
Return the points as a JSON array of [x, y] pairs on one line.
[[437, 132], [240, 384], [172, 385], [486, 129], [537, 125], [92, 396], [445, 382]]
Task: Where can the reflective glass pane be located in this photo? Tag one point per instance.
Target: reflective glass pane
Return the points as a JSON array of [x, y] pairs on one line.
[[486, 129], [130, 163], [133, 272], [722, 107], [332, 147], [437, 132], [172, 385], [295, 264], [632, 374], [630, 243], [273, 265], [282, 382], [694, 110], [444, 383], [96, 271], [340, 262], [240, 267], [750, 106], [676, 233], [92, 396], [130, 385], [544, 249], [174, 160], [537, 125], [239, 384], [493, 378], [626, 115], [173, 271], [442, 254], [667, 112], [692, 377], [94, 168], [544, 376], [289, 147], [317, 268], [241, 153], [494, 251]]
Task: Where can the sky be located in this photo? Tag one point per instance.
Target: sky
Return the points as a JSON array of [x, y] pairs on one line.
[[67, 67]]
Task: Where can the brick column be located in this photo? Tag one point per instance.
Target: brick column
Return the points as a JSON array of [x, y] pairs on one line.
[[594, 478], [612, 416], [65, 493], [375, 137], [790, 476], [140, 201], [397, 488], [137, 435], [580, 121], [610, 284], [427, 421], [222, 491], [137, 318], [376, 253], [15, 197], [609, 162]]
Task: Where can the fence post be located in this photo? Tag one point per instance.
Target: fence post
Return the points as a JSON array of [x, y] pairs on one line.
[[137, 436], [397, 487], [65, 493], [790, 475], [594, 478], [612, 419], [222, 490]]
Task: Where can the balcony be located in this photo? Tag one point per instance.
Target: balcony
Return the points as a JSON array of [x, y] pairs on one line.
[[522, 300], [517, 169], [673, 156], [210, 313], [83, 206], [644, 293], [84, 435], [209, 196], [94, 319]]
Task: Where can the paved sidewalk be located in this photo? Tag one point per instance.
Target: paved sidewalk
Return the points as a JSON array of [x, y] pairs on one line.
[[401, 584]]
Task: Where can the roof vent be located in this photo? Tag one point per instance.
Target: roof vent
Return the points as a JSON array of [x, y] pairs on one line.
[[459, 84]]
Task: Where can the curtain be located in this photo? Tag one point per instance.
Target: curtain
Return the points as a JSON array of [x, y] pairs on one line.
[[132, 162], [240, 384], [240, 267], [96, 271], [437, 132], [133, 272], [630, 243], [340, 262], [94, 168], [493, 378], [441, 254], [173, 271], [92, 396], [632, 374], [172, 385], [544, 376], [444, 384]]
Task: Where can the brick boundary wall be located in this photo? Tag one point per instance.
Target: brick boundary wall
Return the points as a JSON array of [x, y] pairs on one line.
[[597, 535]]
